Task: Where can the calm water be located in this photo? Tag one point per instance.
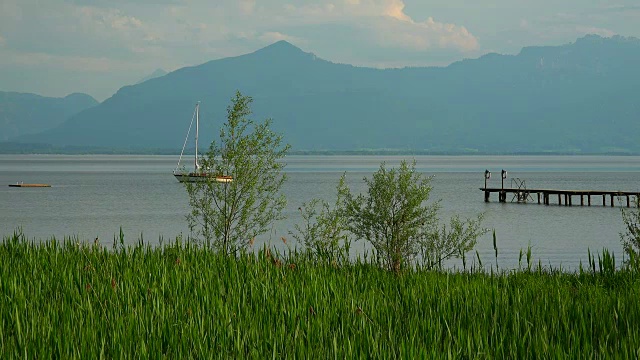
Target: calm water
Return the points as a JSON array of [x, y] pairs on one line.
[[96, 195]]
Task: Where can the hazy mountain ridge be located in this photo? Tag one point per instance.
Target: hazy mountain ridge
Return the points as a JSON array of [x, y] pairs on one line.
[[157, 73], [578, 97], [25, 113]]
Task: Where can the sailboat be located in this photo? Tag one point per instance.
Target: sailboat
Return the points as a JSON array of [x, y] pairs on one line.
[[198, 174]]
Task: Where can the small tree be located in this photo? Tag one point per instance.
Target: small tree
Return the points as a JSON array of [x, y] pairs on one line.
[[227, 215], [324, 231], [394, 218], [631, 237]]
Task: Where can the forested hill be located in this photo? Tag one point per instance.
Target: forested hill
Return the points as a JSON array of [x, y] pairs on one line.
[[579, 97]]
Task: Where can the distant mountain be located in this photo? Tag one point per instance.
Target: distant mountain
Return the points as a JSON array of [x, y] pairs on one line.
[[22, 113], [580, 97], [156, 74]]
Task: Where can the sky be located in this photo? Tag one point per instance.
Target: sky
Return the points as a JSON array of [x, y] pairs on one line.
[[58, 47]]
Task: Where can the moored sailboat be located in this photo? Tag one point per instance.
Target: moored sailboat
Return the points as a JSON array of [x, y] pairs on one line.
[[197, 174]]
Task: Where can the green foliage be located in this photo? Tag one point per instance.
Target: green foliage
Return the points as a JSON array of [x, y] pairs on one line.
[[67, 299], [455, 241], [324, 231], [392, 216], [228, 215], [631, 237], [395, 219]]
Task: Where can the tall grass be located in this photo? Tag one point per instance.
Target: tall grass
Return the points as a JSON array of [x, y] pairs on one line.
[[65, 299]]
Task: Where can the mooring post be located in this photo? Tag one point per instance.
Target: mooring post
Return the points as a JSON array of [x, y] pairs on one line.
[[604, 199], [581, 199], [611, 200], [589, 199], [486, 195], [487, 176], [538, 197], [628, 203], [559, 199]]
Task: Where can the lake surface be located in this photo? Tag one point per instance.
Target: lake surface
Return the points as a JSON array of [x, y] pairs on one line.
[[95, 195]]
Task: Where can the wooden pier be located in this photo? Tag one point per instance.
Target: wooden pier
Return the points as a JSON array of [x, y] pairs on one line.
[[522, 194], [564, 197]]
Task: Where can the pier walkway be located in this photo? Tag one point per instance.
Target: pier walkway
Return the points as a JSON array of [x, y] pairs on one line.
[[565, 197]]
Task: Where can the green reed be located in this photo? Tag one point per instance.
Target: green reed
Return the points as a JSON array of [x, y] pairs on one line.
[[73, 300]]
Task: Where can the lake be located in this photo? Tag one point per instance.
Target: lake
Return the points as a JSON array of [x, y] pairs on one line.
[[94, 195]]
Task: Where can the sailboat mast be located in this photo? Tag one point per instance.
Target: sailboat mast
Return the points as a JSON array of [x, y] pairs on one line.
[[197, 167]]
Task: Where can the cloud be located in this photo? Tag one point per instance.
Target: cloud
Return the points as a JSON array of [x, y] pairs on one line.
[[423, 36], [395, 9], [82, 31], [388, 24]]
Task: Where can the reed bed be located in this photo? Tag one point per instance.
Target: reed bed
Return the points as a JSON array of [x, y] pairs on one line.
[[64, 299]]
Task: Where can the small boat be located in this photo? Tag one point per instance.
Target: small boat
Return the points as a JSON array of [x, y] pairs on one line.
[[23, 185], [198, 174]]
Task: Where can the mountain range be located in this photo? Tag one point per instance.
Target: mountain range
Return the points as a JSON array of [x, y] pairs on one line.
[[22, 113], [579, 98]]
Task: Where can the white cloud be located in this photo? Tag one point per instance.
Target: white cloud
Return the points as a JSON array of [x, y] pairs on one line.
[[395, 9], [388, 24]]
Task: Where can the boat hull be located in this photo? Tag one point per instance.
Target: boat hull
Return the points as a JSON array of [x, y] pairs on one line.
[[191, 177], [202, 177], [30, 185]]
